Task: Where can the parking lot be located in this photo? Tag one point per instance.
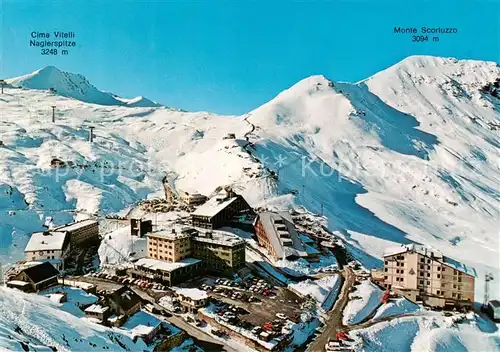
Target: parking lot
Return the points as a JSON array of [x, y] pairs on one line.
[[258, 298], [109, 282]]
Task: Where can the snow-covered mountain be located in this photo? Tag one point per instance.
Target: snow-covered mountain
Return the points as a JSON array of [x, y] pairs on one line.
[[409, 154], [74, 86]]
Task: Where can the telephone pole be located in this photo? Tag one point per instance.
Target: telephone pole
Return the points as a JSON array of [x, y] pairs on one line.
[[91, 134], [487, 278], [53, 113], [2, 83]]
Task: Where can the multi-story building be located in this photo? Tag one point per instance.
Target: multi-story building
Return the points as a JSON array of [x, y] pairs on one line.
[[277, 234], [220, 251], [139, 227], [191, 299], [167, 273], [180, 254], [81, 231], [220, 210], [425, 275], [170, 245], [48, 246], [192, 198]]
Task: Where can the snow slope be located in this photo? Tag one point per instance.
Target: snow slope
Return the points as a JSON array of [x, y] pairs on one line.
[[410, 154], [432, 333], [74, 86], [396, 307], [363, 302], [320, 289], [29, 321]]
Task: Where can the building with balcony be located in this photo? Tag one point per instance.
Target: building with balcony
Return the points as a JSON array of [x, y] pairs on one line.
[[425, 275], [277, 234]]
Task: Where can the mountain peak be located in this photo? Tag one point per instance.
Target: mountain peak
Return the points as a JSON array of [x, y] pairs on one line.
[[74, 86], [425, 67]]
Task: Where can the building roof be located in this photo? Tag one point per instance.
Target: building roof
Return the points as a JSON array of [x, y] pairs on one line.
[[172, 233], [270, 222], [214, 205], [44, 241], [413, 247], [125, 298], [76, 225], [41, 272], [432, 253], [141, 323], [155, 264], [218, 237], [96, 308], [455, 264], [494, 303], [17, 283], [194, 293]]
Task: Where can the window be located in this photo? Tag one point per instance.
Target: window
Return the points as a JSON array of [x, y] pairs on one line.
[[428, 274], [402, 264], [386, 269], [428, 261], [454, 286], [397, 271], [439, 268], [453, 294], [459, 279], [402, 271], [421, 282], [397, 279], [438, 276], [428, 282], [459, 296], [442, 270], [161, 257], [438, 292], [421, 273], [401, 279], [397, 263], [422, 267], [422, 260]]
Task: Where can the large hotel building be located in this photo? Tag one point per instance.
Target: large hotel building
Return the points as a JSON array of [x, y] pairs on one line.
[[425, 275]]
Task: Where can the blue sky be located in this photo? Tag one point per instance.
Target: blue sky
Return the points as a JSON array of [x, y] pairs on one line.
[[230, 57]]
